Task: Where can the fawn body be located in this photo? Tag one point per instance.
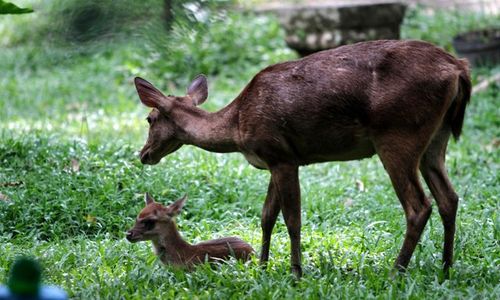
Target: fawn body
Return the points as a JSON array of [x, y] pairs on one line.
[[399, 99], [156, 223]]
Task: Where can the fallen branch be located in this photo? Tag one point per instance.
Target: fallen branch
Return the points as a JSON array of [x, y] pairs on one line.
[[484, 84], [11, 184]]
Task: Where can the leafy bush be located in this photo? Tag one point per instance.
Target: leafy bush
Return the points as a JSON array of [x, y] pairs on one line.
[[87, 20], [225, 43]]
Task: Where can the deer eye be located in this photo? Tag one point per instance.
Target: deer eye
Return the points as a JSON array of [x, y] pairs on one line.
[[148, 224], [149, 120]]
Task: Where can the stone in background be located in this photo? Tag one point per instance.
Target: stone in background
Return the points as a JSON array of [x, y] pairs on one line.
[[313, 27]]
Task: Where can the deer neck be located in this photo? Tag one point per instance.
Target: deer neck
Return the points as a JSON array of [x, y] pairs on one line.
[[171, 247], [215, 132]]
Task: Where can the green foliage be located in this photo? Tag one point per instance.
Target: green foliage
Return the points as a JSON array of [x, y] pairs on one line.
[[78, 23], [440, 26], [83, 21], [10, 8], [225, 43], [203, 37]]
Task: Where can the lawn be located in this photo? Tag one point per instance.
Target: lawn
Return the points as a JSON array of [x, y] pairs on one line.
[[71, 184]]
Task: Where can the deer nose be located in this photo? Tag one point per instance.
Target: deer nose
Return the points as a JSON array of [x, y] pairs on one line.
[[144, 156]]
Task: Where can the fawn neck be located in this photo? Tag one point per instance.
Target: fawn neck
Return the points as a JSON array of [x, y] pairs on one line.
[[215, 132], [170, 246]]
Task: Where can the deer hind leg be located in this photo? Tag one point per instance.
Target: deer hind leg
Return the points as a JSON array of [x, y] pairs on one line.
[[401, 162], [434, 172], [270, 213], [286, 182]]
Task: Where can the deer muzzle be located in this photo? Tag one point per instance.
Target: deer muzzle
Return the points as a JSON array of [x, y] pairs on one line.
[[131, 237]]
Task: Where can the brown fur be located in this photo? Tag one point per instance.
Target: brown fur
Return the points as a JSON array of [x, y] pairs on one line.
[[172, 248], [399, 99]]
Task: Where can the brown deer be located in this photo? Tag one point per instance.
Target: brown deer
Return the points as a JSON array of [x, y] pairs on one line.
[[399, 99], [156, 223]]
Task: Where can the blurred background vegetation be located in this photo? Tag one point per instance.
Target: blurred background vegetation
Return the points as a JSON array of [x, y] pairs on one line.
[[180, 39], [170, 41]]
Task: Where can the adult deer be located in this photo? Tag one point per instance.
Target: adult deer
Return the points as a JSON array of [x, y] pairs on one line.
[[399, 99]]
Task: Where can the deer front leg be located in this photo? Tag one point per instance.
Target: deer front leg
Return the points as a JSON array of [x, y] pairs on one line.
[[286, 181], [270, 213]]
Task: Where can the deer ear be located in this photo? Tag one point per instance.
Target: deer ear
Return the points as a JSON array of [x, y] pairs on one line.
[[198, 90], [148, 199], [151, 96], [175, 208]]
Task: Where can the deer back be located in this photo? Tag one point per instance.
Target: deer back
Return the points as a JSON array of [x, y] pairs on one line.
[[332, 104]]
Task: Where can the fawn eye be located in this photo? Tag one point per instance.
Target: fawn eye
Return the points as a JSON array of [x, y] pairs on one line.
[[148, 224], [149, 120]]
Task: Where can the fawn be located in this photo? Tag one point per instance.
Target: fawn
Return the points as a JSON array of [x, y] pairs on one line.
[[156, 223], [401, 100]]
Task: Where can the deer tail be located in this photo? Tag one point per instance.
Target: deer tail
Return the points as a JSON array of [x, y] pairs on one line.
[[457, 111]]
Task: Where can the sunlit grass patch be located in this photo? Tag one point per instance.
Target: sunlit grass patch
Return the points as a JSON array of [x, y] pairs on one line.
[[95, 127]]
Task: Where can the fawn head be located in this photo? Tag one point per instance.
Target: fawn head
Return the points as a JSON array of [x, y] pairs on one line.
[[154, 219], [162, 138]]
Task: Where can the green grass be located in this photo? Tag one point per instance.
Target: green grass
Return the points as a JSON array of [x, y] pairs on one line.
[[62, 106]]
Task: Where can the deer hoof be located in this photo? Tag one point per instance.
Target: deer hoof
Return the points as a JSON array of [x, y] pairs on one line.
[[297, 271]]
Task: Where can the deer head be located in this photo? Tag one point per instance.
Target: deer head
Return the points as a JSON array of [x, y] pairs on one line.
[[154, 219], [163, 137]]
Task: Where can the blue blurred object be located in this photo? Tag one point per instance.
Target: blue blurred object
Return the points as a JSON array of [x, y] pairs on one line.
[[25, 283], [46, 292]]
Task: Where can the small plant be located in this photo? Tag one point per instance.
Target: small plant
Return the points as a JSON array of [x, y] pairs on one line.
[[10, 8]]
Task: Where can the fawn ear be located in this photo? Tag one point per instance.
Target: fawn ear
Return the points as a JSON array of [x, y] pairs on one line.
[[198, 90], [148, 199], [175, 208], [151, 96]]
